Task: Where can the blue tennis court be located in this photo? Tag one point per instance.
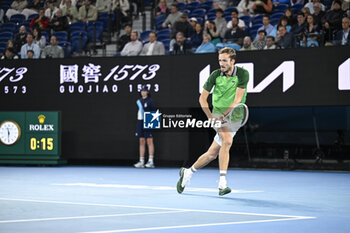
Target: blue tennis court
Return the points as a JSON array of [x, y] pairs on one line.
[[76, 199]]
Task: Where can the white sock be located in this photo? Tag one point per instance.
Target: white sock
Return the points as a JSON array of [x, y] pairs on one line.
[[150, 159], [222, 181], [192, 169], [142, 160]]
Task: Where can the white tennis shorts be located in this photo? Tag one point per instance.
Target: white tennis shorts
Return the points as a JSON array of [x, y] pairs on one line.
[[232, 127]]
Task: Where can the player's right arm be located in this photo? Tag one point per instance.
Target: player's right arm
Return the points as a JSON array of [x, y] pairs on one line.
[[203, 101]]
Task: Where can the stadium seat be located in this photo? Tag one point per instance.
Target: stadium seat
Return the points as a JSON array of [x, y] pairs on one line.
[[279, 8], [79, 41], [30, 17], [199, 12], [297, 8], [6, 36], [257, 19], [18, 18], [200, 20], [163, 37], [2, 47], [211, 12], [164, 32], [47, 36], [67, 47], [166, 43], [192, 5], [246, 19], [274, 21], [211, 18], [108, 21], [95, 30], [228, 18], [61, 36], [181, 6], [144, 35], [206, 5], [77, 26], [277, 15], [8, 27], [229, 10], [160, 18]]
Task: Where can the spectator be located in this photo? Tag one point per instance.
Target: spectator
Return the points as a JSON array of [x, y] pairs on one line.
[[153, 47], [284, 22], [70, 11], [245, 7], [40, 21], [17, 7], [87, 12], [30, 54], [206, 46], [20, 39], [39, 39], [124, 39], [51, 9], [222, 4], [181, 26], [173, 17], [53, 50], [310, 5], [210, 29], [10, 44], [220, 23], [59, 22], [193, 22], [305, 11], [333, 18], [33, 7], [162, 8], [121, 9], [9, 54], [241, 24], [247, 44], [270, 43], [64, 5], [267, 27], [197, 37], [103, 6], [343, 36], [284, 39], [134, 47], [30, 45], [318, 14], [299, 28], [235, 35], [181, 46], [288, 13], [260, 42], [262, 6], [311, 27]]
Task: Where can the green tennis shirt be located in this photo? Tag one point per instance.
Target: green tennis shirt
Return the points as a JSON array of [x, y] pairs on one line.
[[225, 88]]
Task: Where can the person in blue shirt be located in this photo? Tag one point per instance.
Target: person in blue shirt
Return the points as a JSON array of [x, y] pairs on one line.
[[144, 104], [206, 46]]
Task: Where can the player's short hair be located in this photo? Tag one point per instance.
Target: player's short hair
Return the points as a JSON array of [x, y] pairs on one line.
[[230, 51]]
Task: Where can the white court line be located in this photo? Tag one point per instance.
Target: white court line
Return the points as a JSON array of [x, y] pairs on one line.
[[84, 217], [155, 208], [164, 188], [196, 225]]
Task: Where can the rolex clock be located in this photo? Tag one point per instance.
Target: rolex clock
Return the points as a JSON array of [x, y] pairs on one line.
[[10, 132]]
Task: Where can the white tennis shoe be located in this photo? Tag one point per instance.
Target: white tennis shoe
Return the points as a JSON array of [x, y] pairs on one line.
[[149, 165], [139, 165]]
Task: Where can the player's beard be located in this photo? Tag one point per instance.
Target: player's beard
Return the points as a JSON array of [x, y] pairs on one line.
[[226, 70]]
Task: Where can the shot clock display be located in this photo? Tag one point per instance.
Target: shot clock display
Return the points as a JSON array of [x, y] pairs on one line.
[[30, 135]]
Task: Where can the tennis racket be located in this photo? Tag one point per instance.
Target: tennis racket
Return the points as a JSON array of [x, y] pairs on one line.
[[238, 116]]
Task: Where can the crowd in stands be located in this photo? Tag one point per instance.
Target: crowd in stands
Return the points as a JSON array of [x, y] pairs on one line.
[[59, 28]]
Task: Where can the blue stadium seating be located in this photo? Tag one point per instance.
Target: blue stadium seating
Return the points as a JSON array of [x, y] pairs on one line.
[[5, 36], [144, 35], [79, 41], [192, 5], [8, 27], [67, 47], [18, 18], [62, 36]]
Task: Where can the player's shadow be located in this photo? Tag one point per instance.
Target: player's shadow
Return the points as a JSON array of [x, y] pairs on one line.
[[256, 203]]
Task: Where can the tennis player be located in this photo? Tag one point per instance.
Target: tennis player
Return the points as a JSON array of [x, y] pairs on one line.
[[230, 88], [145, 103]]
